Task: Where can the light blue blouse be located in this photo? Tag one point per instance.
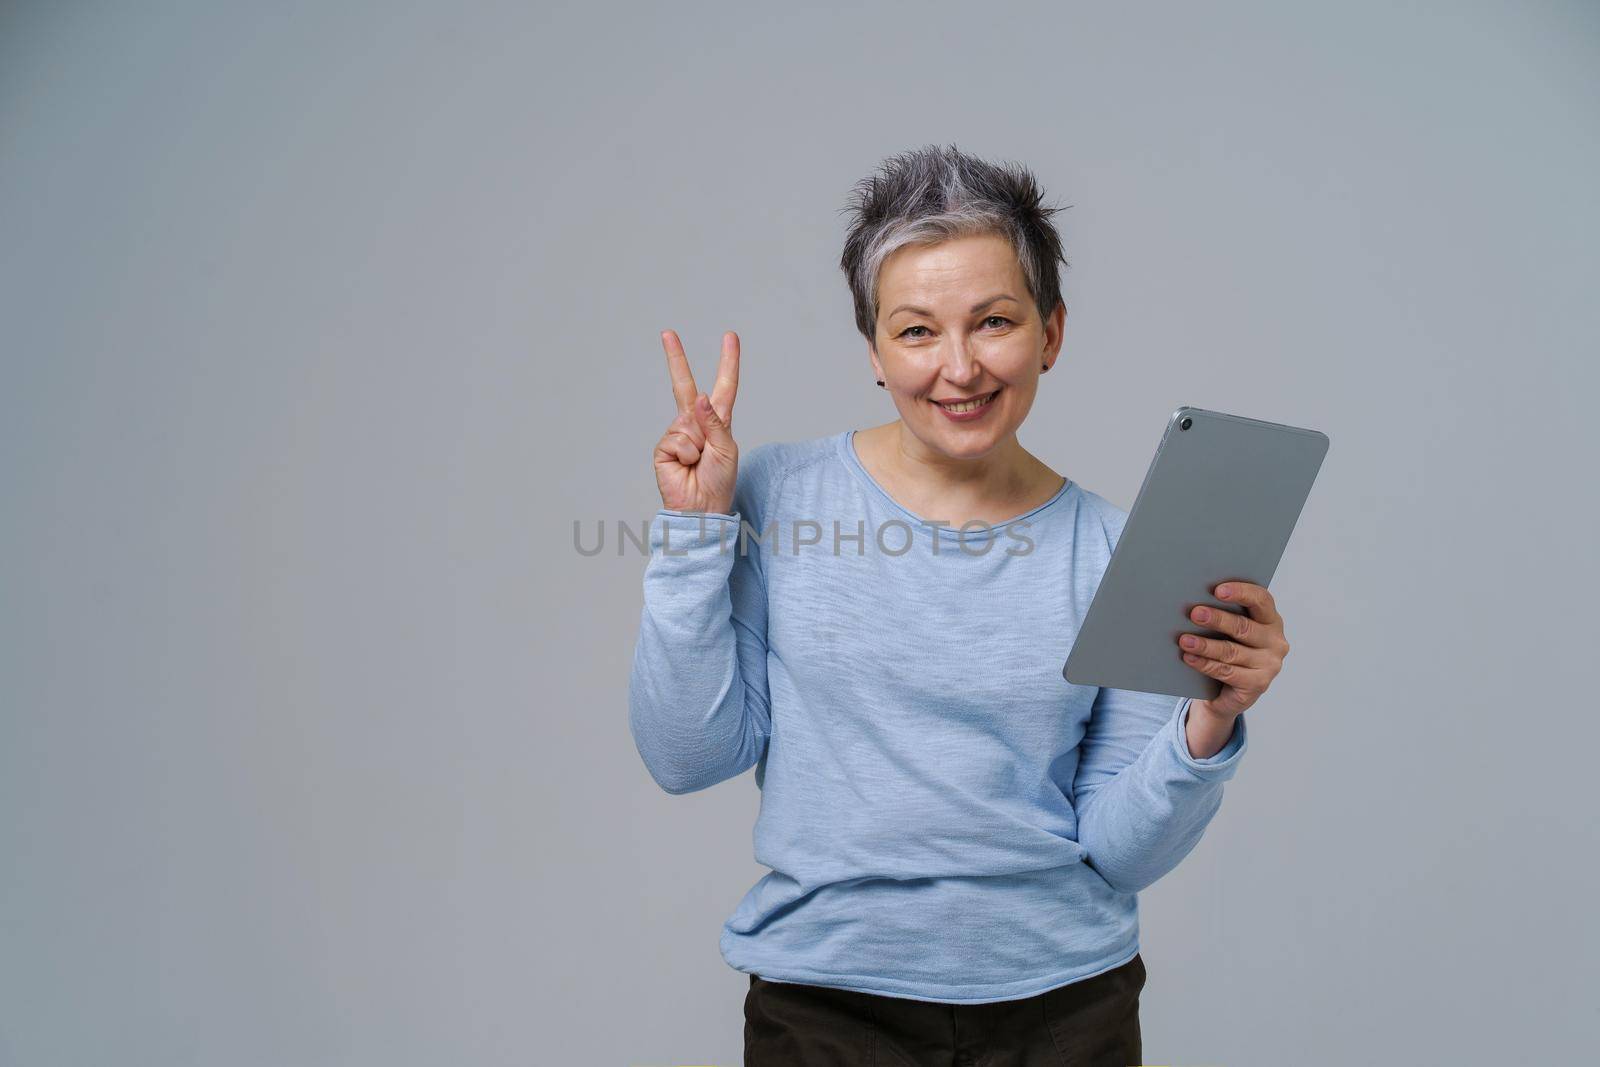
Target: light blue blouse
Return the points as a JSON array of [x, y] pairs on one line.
[[944, 817]]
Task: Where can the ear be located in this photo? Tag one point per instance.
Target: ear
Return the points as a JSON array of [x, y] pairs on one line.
[[1054, 331], [872, 357]]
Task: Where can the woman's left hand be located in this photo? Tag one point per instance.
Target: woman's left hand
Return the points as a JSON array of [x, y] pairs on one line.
[[1252, 655]]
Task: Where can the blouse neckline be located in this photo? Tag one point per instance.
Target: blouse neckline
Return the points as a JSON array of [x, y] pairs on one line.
[[847, 449]]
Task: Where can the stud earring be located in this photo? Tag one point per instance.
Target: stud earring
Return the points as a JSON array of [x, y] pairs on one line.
[[1044, 368], [880, 381]]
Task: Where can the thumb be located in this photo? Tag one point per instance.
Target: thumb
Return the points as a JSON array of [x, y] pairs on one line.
[[716, 429]]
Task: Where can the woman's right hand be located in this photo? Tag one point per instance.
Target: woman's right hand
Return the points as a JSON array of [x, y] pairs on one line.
[[696, 460]]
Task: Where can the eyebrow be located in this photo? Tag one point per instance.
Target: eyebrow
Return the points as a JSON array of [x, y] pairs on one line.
[[979, 306]]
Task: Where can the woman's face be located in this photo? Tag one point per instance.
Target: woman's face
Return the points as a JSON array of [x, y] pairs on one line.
[[956, 322]]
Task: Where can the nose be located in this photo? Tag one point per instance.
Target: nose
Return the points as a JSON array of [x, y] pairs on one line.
[[959, 367]]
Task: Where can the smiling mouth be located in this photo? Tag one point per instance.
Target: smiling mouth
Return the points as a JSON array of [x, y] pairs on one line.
[[959, 406]]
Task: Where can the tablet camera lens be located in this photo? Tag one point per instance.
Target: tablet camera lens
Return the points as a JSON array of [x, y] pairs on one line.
[[1185, 423]]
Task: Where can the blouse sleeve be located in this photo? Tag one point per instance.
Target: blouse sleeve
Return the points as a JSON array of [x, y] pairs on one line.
[[698, 705], [1143, 801]]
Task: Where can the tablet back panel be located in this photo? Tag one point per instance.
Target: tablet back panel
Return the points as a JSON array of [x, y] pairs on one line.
[[1219, 502]]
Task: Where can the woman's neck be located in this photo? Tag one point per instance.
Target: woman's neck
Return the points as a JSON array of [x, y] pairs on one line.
[[1001, 485]]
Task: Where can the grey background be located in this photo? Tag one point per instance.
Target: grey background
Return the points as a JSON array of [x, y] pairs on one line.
[[323, 323]]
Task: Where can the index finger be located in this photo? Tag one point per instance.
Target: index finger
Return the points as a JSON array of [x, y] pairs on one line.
[[727, 383], [683, 389], [1255, 598]]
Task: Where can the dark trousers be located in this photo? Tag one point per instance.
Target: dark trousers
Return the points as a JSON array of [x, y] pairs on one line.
[[1089, 1023]]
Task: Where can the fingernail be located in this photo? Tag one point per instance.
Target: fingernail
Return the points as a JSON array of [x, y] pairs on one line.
[[1224, 592], [1190, 642], [1203, 615]]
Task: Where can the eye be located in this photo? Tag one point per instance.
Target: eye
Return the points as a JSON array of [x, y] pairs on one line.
[[908, 329], [1002, 318]]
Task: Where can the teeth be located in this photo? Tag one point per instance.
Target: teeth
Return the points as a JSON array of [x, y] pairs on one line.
[[970, 405]]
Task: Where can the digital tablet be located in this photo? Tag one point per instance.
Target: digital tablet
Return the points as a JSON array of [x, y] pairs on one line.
[[1218, 503]]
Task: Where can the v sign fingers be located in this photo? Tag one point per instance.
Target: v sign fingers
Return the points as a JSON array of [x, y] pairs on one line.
[[696, 460]]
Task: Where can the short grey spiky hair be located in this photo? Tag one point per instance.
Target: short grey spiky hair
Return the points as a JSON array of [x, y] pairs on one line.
[[932, 194]]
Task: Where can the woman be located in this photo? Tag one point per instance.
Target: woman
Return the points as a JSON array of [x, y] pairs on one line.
[[956, 835]]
